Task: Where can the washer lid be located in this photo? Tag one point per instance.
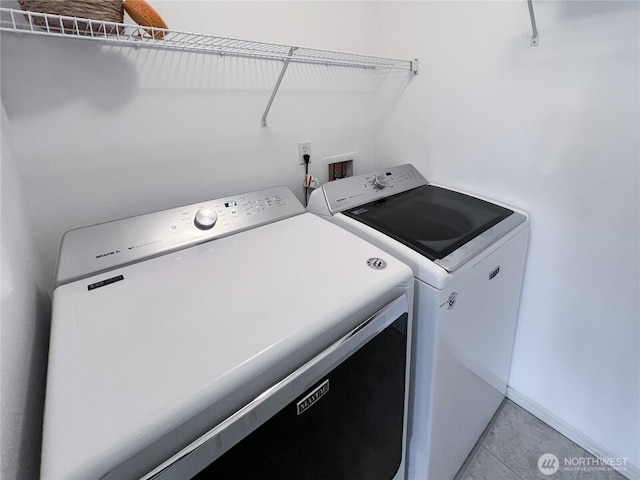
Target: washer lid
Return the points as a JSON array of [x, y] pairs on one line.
[[441, 224], [145, 364]]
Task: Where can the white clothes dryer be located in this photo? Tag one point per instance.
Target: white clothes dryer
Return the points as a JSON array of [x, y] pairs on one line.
[[237, 338], [467, 255]]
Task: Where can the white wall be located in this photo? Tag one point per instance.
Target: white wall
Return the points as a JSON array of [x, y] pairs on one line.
[[553, 129], [24, 327]]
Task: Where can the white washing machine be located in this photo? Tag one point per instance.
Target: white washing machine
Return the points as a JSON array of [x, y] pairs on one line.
[[239, 338], [467, 256]]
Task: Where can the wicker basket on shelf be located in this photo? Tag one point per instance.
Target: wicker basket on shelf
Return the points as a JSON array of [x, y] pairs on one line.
[[98, 10]]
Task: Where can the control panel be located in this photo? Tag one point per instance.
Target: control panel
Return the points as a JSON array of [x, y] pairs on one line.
[[353, 191], [98, 248]]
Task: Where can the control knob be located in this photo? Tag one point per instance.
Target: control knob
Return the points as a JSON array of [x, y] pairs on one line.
[[380, 181], [205, 218]]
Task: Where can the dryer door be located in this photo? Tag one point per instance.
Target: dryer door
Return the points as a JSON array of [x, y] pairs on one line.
[[340, 416]]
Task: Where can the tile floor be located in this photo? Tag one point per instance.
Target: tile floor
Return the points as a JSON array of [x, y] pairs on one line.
[[510, 447]]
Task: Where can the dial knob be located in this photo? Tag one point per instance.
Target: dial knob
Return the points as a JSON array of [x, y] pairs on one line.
[[381, 180], [205, 218]]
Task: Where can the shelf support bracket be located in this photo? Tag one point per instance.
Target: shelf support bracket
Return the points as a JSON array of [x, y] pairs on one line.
[[415, 64], [534, 36], [275, 89]]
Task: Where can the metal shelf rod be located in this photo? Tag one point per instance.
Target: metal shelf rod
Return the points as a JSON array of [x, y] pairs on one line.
[[534, 36], [275, 89]]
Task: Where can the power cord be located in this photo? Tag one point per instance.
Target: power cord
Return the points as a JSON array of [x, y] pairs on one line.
[[307, 158]]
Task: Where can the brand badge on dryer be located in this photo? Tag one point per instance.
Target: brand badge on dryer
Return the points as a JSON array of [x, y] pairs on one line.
[[315, 395], [104, 283]]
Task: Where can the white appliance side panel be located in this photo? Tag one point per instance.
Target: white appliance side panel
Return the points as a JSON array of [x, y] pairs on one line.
[[475, 320], [210, 325], [422, 378]]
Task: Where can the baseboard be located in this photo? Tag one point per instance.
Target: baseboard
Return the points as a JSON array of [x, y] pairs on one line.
[[629, 471]]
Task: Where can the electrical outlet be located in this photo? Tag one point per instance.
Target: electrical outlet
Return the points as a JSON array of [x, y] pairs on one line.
[[304, 148]]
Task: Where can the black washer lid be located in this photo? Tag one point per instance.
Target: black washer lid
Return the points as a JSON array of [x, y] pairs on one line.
[[432, 220]]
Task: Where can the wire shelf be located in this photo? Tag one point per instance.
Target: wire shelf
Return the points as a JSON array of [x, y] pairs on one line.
[[111, 33], [33, 23]]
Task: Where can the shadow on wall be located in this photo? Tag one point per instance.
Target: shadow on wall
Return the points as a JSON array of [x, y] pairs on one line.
[[389, 96], [74, 71], [579, 10], [31, 434]]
